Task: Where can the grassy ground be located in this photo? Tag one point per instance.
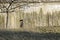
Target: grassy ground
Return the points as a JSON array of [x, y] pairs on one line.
[[10, 35]]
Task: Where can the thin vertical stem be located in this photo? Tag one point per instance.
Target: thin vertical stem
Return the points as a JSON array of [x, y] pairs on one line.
[[7, 19], [52, 19], [48, 19]]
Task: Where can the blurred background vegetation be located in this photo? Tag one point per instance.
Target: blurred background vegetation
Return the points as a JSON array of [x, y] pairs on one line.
[[40, 22], [1, 21], [37, 22]]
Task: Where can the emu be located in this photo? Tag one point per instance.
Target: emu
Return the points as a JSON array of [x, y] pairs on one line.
[[21, 23]]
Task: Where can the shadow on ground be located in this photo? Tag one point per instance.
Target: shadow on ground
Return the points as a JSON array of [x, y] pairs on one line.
[[9, 35]]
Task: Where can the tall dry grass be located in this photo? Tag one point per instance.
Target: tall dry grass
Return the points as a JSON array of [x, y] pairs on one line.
[[40, 22], [37, 22]]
